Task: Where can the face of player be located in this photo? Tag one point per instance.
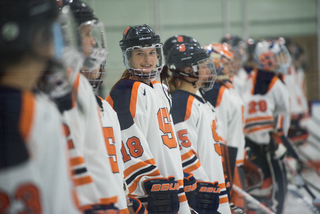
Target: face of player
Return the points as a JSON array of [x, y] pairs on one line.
[[144, 59], [228, 67], [87, 39], [92, 74], [204, 72]]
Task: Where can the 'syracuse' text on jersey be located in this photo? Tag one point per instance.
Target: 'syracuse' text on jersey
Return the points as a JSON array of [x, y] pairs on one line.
[[195, 124], [149, 148], [33, 162]]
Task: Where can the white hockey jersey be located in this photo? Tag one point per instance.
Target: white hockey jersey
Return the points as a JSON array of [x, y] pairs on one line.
[[195, 124], [230, 118], [239, 80], [265, 98], [90, 164], [112, 136], [34, 174], [294, 81], [149, 148]]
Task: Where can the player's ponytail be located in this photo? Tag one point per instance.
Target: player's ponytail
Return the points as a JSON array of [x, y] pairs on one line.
[[125, 75]]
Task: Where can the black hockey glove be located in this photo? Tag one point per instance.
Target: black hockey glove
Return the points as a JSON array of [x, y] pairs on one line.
[[162, 195], [190, 186], [137, 205], [207, 197], [102, 208]]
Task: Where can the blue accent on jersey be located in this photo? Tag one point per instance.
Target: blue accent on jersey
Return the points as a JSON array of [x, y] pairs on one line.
[[121, 96], [263, 81], [212, 95], [13, 150], [179, 105]]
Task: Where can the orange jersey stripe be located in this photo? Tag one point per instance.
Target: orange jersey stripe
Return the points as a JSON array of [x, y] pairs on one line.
[[138, 166], [220, 95], [259, 128], [273, 81], [188, 155], [193, 167], [83, 180], [254, 79], [223, 200], [182, 198], [76, 161], [134, 185], [76, 88], [133, 99], [27, 114], [189, 106], [109, 100], [222, 185], [109, 200], [124, 211], [259, 119], [239, 162]]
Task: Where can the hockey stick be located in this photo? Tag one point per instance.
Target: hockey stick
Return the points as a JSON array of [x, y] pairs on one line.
[[304, 199], [251, 199], [298, 178]]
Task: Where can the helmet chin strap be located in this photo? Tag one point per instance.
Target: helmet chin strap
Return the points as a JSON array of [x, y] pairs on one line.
[[193, 83]]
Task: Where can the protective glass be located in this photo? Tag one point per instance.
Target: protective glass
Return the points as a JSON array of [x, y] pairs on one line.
[[282, 57], [93, 44], [63, 68], [206, 73], [96, 76], [144, 62]]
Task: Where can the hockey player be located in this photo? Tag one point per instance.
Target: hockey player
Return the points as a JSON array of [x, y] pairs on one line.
[[95, 183], [229, 114], [34, 176], [267, 113], [149, 148], [240, 56], [194, 120]]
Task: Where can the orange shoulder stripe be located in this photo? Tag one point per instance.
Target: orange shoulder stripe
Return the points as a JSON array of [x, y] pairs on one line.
[[221, 91], [27, 114], [109, 100], [254, 79], [273, 81], [75, 88], [134, 97], [189, 106]]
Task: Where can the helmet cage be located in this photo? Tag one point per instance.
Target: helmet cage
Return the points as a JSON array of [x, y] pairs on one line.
[[96, 77], [148, 73], [205, 71], [93, 44]]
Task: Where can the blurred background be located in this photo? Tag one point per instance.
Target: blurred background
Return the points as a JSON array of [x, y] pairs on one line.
[[208, 21]]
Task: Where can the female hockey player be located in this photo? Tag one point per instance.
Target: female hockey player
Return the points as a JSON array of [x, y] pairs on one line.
[[267, 114], [95, 182], [152, 164], [229, 114], [194, 120], [34, 176]]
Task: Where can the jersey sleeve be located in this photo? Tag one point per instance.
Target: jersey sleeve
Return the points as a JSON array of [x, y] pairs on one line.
[[112, 136], [282, 102], [139, 163]]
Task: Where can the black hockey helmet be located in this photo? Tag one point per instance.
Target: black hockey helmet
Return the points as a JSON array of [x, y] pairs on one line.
[[81, 11], [20, 19], [177, 39], [187, 55], [140, 35]]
